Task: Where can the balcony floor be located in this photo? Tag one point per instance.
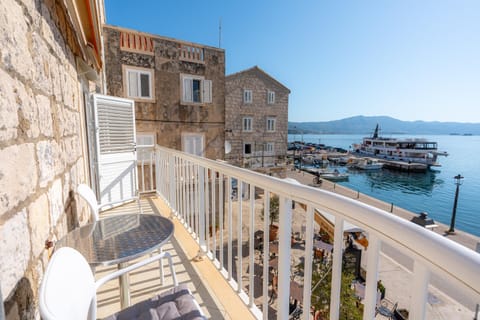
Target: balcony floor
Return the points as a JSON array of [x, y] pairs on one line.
[[145, 282]]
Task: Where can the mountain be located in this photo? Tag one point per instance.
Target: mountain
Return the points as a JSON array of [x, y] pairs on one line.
[[388, 125]]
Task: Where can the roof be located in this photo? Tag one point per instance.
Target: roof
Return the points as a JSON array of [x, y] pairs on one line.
[[256, 69]]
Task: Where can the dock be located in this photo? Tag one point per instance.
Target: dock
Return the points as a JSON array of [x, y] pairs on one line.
[[404, 166]]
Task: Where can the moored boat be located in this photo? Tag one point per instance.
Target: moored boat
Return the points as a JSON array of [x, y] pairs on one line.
[[368, 164], [407, 150]]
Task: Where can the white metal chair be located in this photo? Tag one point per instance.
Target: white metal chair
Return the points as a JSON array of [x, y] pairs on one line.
[[68, 291], [89, 196]]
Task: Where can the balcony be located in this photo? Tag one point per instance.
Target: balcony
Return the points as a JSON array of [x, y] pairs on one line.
[[240, 267]]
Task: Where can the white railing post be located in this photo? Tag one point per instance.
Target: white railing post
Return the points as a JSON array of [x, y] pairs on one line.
[[336, 269], [239, 236], [421, 277], [201, 208], [252, 247], [230, 228], [266, 253], [372, 277], [171, 174], [221, 205], [285, 233], [307, 282]]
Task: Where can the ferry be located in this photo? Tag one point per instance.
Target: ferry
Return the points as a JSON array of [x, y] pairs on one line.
[[411, 151]]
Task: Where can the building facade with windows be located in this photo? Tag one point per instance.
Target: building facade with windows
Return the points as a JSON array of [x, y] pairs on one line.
[[256, 121], [178, 88]]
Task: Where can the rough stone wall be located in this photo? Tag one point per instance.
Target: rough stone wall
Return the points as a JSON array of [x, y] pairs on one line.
[[235, 110], [41, 144], [166, 116]]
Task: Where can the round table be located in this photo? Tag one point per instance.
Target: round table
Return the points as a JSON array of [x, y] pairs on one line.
[[119, 239]]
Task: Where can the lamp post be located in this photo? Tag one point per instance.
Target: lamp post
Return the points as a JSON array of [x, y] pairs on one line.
[[458, 181]]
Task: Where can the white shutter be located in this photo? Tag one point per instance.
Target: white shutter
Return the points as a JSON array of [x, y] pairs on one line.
[[115, 135], [132, 84], [187, 90], [207, 91]]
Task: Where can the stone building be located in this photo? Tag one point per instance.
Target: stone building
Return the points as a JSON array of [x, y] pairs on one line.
[[51, 51], [178, 88], [256, 121]]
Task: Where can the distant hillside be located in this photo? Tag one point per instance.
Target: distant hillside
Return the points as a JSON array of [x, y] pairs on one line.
[[388, 125]]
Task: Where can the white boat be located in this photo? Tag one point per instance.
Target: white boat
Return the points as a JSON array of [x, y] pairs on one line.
[[368, 164], [334, 176], [400, 149]]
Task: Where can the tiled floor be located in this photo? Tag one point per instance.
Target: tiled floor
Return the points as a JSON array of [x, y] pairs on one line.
[[199, 276]]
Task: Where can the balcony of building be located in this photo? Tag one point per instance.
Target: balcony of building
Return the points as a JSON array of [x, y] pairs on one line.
[[237, 270]]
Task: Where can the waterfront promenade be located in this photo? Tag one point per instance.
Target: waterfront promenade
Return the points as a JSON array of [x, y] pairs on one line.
[[394, 270]]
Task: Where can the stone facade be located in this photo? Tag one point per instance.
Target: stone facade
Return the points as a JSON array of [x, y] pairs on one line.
[[254, 124], [164, 114], [42, 142]]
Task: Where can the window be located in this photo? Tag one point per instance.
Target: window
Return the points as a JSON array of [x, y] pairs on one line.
[[247, 96], [145, 146], [192, 143], [270, 97], [195, 89], [271, 124], [247, 124], [269, 147], [138, 83], [247, 148]]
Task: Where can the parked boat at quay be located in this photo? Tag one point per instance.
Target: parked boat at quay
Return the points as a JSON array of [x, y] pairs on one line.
[[406, 150], [368, 164]]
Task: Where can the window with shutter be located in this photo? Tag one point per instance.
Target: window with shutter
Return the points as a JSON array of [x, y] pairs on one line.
[[195, 89], [138, 83], [270, 97], [247, 124], [271, 124], [192, 143], [247, 96]]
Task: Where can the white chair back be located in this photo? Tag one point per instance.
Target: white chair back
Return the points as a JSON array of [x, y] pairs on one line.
[[87, 194], [68, 287]]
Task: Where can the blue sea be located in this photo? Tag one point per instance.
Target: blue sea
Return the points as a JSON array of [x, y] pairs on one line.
[[433, 191]]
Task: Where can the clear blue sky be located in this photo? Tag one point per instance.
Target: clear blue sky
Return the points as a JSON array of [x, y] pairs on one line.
[[408, 59]]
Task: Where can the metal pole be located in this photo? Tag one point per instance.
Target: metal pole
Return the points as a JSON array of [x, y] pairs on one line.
[[454, 212], [476, 312]]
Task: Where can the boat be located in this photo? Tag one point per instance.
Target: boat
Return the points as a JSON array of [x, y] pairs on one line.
[[368, 164], [334, 176], [407, 150]]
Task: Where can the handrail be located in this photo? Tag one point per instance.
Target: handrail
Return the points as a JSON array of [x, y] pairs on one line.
[[430, 251]]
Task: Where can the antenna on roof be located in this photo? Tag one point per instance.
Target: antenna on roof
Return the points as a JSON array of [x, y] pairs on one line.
[[220, 33]]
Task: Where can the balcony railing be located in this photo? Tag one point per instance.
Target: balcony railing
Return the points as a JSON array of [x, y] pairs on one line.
[[199, 192], [191, 53]]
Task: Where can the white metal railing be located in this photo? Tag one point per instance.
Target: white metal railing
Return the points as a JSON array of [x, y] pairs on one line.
[[199, 192]]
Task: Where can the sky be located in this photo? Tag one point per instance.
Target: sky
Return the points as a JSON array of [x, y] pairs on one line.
[[407, 59]]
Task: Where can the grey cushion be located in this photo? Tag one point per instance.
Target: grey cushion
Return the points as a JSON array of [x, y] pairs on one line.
[[176, 303]]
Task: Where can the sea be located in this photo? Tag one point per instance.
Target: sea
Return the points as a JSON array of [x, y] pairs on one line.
[[432, 192]]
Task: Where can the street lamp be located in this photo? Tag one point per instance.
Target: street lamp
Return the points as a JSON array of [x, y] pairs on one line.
[[458, 181]]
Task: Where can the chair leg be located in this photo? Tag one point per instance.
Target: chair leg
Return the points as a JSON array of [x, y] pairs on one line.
[[162, 273]]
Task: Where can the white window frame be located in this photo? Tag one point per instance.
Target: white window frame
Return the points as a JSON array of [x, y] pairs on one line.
[[270, 148], [247, 96], [251, 149], [270, 97], [271, 124], [138, 71], [247, 124], [144, 149], [186, 90], [201, 136]]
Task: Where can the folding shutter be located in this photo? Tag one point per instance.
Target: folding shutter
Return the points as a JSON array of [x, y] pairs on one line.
[[132, 84], [115, 136], [207, 91], [187, 90]]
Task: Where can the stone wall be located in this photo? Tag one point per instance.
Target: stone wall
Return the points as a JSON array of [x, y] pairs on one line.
[[166, 116], [41, 144], [235, 110]]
